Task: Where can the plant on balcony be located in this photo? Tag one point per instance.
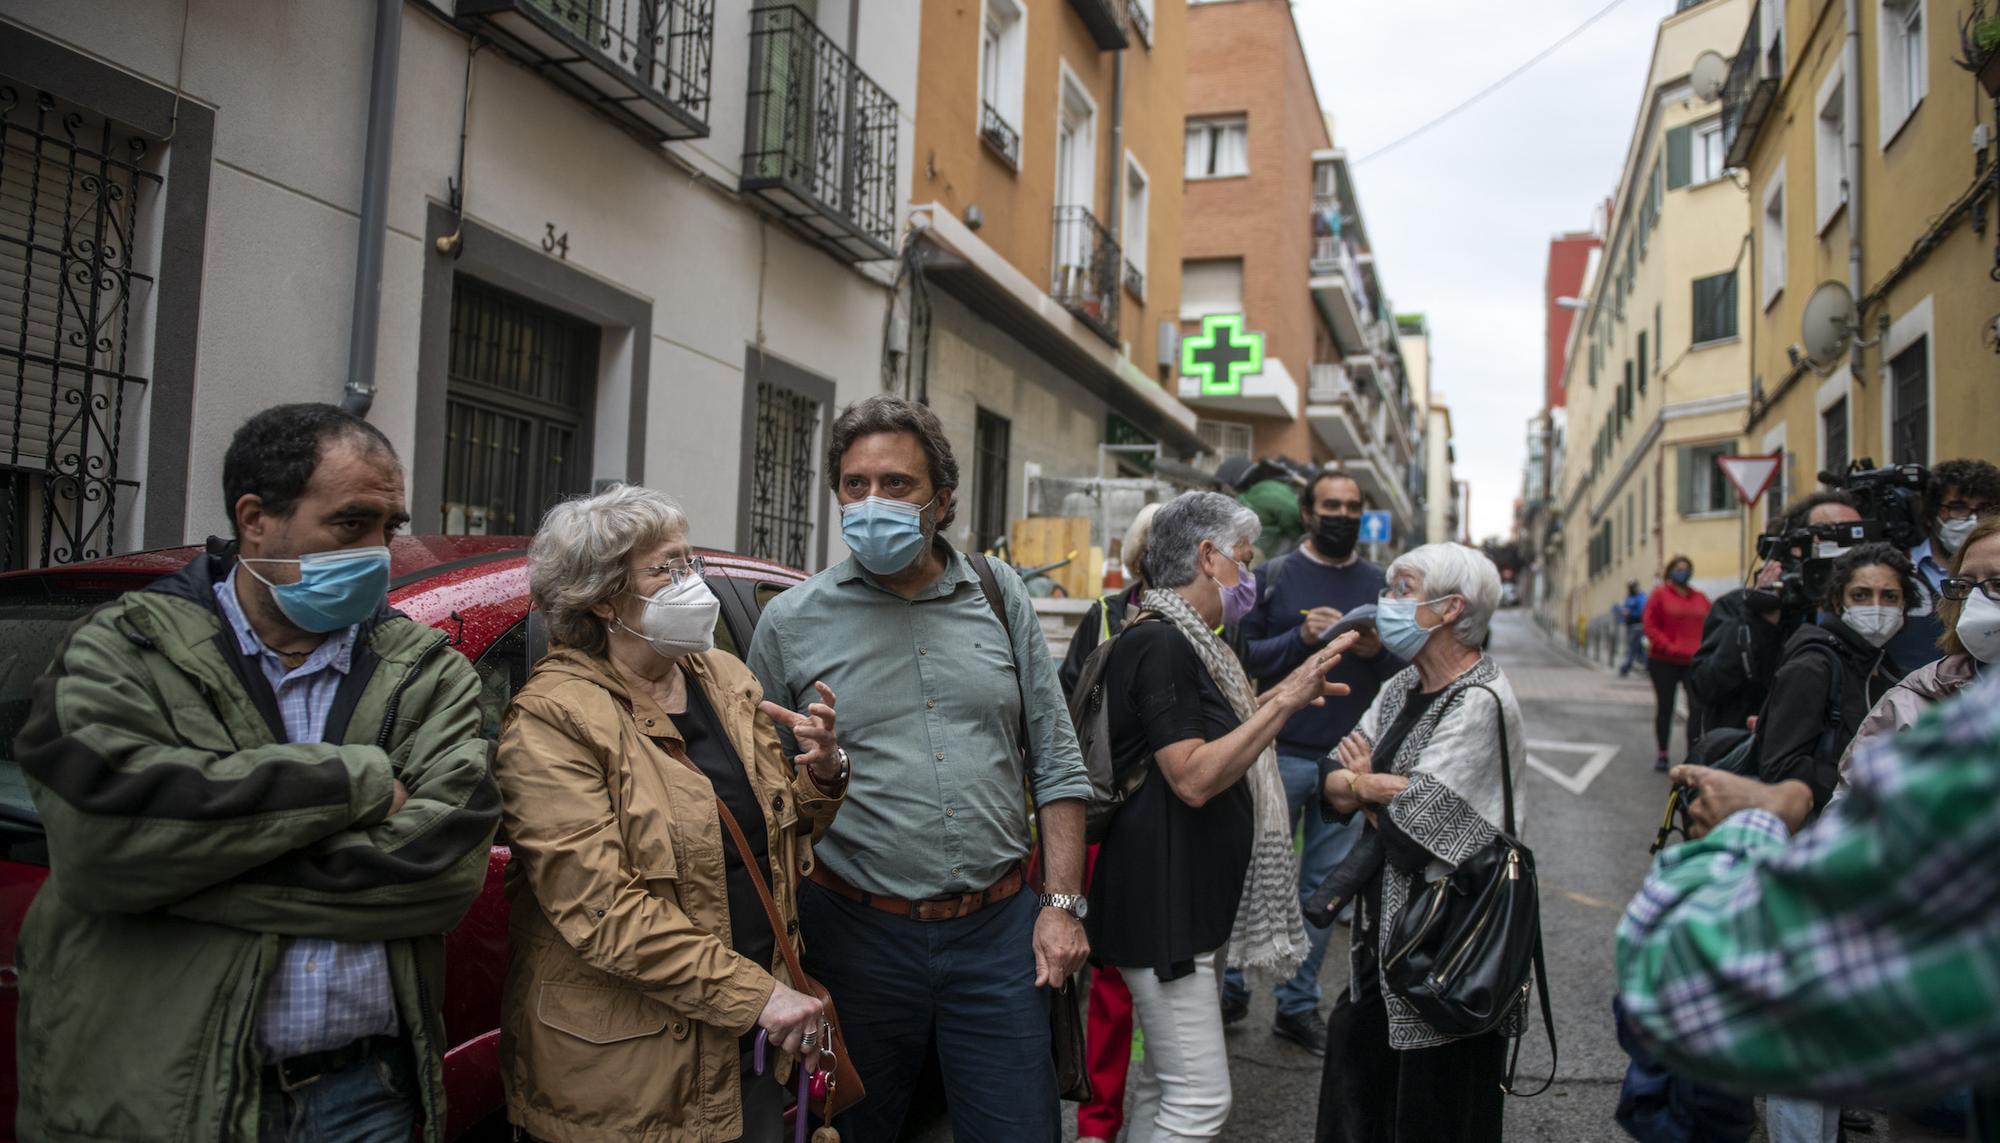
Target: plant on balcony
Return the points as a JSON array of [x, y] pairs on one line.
[[1979, 38]]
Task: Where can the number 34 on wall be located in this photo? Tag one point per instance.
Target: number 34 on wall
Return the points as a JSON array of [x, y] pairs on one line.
[[557, 244]]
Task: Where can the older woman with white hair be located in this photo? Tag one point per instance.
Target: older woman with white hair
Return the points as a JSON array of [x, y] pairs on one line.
[[1201, 852], [642, 962], [1425, 766]]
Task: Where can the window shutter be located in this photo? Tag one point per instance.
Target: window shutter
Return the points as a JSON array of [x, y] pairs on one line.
[[1642, 361], [1685, 462], [1680, 157]]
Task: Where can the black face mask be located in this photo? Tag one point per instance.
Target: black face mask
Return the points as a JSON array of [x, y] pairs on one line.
[[1335, 536]]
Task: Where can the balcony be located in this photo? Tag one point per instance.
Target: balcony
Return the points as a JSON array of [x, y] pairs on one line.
[[1334, 409], [820, 143], [999, 138], [1100, 19], [1341, 295], [1135, 12], [642, 63], [1088, 269], [1750, 92]]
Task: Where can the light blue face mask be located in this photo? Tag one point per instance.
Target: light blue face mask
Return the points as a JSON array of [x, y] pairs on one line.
[[885, 535], [1396, 623], [335, 590]]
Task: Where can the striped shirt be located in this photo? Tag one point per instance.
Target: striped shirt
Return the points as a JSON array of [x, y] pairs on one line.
[[326, 993]]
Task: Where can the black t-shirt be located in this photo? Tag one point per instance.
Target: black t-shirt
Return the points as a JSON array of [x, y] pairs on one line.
[[716, 756], [1168, 875]]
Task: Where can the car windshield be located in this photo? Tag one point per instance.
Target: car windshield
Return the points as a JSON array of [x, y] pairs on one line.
[[30, 631]]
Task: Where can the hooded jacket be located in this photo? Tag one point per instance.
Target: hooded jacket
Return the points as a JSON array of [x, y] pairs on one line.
[[1906, 702], [187, 837], [1790, 729], [624, 998]]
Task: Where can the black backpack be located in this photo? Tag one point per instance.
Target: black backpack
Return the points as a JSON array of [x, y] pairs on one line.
[[1087, 714]]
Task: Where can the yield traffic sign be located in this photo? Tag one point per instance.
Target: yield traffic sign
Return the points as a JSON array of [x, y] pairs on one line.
[[1750, 474]]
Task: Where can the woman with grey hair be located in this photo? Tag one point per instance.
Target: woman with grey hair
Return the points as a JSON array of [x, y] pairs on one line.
[[642, 963], [1425, 766], [1200, 854]]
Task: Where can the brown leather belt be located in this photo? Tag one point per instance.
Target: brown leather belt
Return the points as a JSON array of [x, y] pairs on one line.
[[932, 909]]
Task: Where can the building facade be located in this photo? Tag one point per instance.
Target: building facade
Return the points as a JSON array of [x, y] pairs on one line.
[[546, 244], [1279, 290], [1654, 372], [1572, 265], [1855, 148], [1043, 277]]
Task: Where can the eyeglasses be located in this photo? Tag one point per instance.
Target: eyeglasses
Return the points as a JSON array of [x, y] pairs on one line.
[[1960, 587], [677, 570], [1961, 509]]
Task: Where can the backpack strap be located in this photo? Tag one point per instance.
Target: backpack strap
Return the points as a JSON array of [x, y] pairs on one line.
[[989, 586]]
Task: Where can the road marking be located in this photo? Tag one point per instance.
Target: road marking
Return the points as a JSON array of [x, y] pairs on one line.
[[1599, 756]]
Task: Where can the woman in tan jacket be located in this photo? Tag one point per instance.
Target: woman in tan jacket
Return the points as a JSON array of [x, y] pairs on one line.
[[641, 962]]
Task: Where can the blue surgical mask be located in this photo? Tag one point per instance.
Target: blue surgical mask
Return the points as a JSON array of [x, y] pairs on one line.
[[1396, 623], [885, 535], [1680, 576], [335, 590]]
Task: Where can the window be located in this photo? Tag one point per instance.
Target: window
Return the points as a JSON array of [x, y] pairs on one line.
[[1642, 361], [1771, 240], [1904, 64], [1773, 28], [1076, 145], [1659, 337], [1715, 308], [783, 488], [1694, 153], [1631, 531], [1002, 59], [1910, 404], [1217, 148], [1703, 488], [1224, 438], [1211, 286], [1631, 398], [1830, 150], [519, 382], [1134, 219], [989, 478], [1833, 430]]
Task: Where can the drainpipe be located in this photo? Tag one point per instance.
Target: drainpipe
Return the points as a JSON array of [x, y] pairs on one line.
[[1117, 183], [1851, 115], [365, 327]]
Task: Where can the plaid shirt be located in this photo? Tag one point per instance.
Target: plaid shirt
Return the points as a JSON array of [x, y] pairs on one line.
[[1862, 959], [326, 993]]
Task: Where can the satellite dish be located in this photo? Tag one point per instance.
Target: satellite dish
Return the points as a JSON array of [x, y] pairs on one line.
[[1710, 73], [1828, 325]]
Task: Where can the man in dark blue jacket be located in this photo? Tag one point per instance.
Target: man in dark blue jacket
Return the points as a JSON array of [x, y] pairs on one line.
[[1304, 594]]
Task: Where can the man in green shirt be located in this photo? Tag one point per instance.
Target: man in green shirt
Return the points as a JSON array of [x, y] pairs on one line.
[[917, 917], [1860, 958]]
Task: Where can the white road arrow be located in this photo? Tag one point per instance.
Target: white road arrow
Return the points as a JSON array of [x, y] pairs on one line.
[[1597, 756]]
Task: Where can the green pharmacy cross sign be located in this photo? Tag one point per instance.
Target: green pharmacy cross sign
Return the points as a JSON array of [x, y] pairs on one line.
[[1222, 354]]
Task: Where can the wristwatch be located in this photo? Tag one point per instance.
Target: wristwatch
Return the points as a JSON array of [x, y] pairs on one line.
[[1075, 904]]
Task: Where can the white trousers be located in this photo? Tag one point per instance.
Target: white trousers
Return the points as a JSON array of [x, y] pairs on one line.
[[1183, 1088]]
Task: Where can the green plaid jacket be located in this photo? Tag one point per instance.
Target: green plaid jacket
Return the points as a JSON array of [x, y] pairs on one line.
[[1862, 958]]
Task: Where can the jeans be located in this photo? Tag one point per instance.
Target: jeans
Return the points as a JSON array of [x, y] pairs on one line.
[[373, 1100], [1183, 1088], [1326, 843], [969, 984], [1668, 680], [1788, 1120], [1635, 647]]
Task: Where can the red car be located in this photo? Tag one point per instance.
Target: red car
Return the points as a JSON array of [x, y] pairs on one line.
[[475, 589]]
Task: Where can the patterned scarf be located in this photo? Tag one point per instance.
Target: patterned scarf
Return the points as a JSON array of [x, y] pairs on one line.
[[1269, 932]]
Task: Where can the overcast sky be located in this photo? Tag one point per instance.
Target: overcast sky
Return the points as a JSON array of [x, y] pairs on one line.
[[1461, 218]]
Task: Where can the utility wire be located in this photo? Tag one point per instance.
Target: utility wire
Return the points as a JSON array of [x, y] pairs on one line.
[[1497, 84]]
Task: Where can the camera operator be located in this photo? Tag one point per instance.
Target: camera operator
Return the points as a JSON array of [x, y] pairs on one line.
[[1747, 628], [1957, 496]]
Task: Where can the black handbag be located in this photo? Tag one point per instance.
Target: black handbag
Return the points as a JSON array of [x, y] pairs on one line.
[[1462, 951]]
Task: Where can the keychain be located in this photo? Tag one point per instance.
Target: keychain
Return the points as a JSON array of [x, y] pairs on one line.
[[812, 1085]]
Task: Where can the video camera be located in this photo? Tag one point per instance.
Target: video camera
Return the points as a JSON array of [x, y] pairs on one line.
[[1892, 497], [1807, 553]]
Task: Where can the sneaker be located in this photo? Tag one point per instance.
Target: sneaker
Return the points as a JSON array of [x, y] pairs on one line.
[[1854, 1119], [1306, 1029], [1235, 1006], [1660, 762]]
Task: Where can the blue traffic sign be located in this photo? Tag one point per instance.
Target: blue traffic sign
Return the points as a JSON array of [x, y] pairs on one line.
[[1374, 527]]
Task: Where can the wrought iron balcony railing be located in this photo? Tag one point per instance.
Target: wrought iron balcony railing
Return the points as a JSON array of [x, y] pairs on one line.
[[1087, 270], [1100, 19], [643, 63], [1750, 91], [1142, 23], [1003, 139], [820, 143]]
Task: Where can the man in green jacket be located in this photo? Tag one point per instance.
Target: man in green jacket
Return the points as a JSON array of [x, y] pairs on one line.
[[266, 799]]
